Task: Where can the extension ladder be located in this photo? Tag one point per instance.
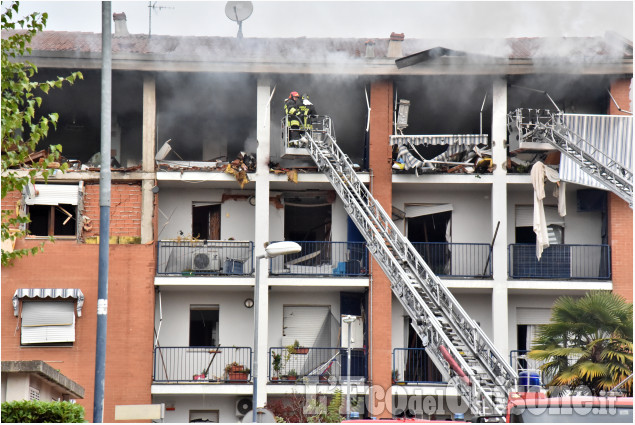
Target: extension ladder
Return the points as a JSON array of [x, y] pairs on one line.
[[544, 126], [454, 342]]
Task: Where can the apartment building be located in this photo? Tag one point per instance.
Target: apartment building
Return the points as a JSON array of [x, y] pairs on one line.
[[186, 233]]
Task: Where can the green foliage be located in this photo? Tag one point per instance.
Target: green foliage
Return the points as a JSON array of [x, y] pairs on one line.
[[34, 411], [327, 414], [589, 342], [22, 130]]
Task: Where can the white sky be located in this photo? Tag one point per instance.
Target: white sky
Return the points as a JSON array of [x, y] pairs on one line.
[[359, 19]]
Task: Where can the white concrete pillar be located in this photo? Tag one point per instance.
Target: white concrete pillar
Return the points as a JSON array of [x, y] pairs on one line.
[[499, 214], [17, 387], [148, 152], [261, 236]]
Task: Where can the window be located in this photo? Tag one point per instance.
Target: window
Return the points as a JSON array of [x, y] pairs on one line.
[[48, 323], [53, 209], [206, 221], [204, 416], [309, 325], [204, 325], [52, 220]]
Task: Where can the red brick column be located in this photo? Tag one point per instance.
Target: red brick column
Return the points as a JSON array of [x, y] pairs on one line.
[[620, 215], [380, 156], [621, 241]]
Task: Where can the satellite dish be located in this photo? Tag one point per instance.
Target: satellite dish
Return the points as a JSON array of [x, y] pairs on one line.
[[239, 11]]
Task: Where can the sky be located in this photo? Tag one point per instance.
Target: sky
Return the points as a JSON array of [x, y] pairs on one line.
[[358, 19]]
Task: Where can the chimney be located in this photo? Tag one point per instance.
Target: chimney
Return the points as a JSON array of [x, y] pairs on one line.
[[370, 49], [121, 29], [394, 45]]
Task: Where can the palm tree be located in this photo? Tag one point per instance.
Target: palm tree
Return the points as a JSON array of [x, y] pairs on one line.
[[589, 343]]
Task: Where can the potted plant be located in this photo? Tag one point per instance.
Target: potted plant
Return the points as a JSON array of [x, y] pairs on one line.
[[200, 377], [395, 376], [296, 349], [234, 367], [293, 375], [277, 365]]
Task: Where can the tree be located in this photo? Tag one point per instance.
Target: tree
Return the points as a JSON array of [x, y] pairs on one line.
[[22, 130], [589, 342]]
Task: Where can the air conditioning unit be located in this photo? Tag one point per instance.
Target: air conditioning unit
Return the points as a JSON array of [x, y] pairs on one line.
[[243, 406], [206, 261]]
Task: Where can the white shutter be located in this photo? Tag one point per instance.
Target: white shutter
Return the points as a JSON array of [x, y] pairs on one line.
[[525, 216], [47, 321], [426, 209], [533, 316], [303, 323], [54, 194]]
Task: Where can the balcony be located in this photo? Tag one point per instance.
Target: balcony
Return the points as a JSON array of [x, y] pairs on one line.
[[412, 366], [316, 365], [464, 260], [205, 258], [337, 259], [230, 365], [529, 369], [560, 262]]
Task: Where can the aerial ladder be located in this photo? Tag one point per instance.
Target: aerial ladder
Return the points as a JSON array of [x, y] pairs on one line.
[[455, 343], [544, 126]]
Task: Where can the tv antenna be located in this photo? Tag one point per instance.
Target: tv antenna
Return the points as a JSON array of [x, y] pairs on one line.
[[152, 5], [239, 11]]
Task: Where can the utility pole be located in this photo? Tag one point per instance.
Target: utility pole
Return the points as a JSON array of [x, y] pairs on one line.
[[104, 211]]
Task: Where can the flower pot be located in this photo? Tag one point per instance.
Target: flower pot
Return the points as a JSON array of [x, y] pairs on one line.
[[274, 378], [200, 377], [301, 350], [292, 378], [236, 368], [237, 376]]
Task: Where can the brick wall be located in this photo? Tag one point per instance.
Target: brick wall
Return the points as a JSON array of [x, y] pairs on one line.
[[620, 215], [125, 209], [67, 264], [380, 156], [620, 90], [621, 241]]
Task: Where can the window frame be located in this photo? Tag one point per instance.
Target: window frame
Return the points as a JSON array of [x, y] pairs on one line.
[[54, 313]]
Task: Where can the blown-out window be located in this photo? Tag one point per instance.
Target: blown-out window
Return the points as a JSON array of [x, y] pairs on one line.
[[52, 209]]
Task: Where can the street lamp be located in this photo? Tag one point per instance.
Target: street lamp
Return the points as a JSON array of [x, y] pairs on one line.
[[271, 250], [348, 320]]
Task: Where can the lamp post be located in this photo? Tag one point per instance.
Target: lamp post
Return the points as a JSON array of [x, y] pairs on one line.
[[271, 250], [348, 320]]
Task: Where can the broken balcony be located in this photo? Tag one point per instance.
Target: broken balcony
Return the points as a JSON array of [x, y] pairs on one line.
[[323, 258], [560, 262], [231, 365], [205, 258]]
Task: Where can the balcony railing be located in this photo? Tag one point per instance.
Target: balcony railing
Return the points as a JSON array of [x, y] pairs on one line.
[[205, 258], [591, 262], [316, 365], [204, 364], [323, 259], [457, 259], [412, 366]]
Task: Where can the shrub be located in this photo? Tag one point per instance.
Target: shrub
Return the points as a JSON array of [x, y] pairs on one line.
[[34, 411]]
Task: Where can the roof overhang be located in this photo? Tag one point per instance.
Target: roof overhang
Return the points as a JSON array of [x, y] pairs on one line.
[[46, 372]]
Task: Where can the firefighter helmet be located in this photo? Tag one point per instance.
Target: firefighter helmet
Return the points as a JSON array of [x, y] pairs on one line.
[[293, 94]]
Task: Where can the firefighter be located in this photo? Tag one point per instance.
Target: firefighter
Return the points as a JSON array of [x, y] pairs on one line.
[[291, 109]]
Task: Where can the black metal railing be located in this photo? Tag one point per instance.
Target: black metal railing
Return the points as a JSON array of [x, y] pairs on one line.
[[412, 366], [205, 364], [205, 258], [316, 365], [457, 259], [323, 259], [560, 261]]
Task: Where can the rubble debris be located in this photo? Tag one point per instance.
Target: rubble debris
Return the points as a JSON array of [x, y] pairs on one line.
[[239, 167]]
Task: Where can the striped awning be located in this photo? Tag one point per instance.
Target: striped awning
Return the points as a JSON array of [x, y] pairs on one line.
[[439, 139], [610, 134], [48, 293]]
